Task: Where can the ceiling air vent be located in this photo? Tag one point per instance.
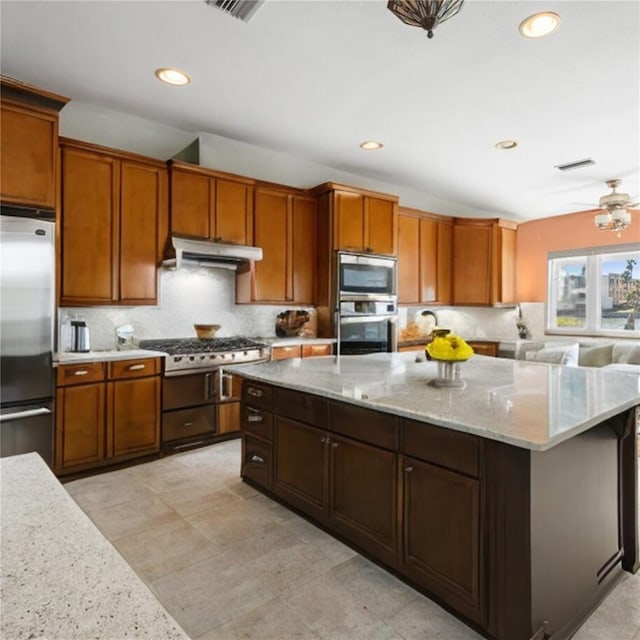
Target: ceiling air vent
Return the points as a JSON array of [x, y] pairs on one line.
[[578, 164], [241, 9]]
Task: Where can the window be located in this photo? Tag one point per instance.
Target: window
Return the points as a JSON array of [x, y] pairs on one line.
[[595, 291]]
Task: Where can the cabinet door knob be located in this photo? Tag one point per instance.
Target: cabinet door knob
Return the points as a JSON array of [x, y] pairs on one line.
[[334, 445], [408, 469], [324, 440]]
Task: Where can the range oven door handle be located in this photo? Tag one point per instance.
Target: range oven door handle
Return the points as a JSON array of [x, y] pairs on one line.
[[208, 386], [362, 318], [225, 382]]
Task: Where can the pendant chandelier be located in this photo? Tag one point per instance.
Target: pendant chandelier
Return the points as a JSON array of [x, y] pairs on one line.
[[426, 14]]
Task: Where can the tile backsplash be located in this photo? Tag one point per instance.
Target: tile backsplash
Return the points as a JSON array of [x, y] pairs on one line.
[[187, 296], [481, 323], [207, 296]]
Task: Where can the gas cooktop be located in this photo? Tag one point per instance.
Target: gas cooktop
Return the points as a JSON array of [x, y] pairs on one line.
[[193, 353]]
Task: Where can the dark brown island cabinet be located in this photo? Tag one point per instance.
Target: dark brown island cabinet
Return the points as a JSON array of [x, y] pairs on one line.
[[519, 544]]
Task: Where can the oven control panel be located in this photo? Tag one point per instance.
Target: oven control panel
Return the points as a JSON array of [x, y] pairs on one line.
[[184, 362]]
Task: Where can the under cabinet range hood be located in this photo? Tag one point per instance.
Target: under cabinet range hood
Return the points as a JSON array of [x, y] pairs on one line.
[[209, 253]]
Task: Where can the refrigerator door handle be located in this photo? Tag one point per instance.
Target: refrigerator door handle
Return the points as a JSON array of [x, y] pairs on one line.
[[23, 415]]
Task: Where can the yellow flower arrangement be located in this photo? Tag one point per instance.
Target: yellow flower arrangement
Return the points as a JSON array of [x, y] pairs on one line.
[[449, 347]]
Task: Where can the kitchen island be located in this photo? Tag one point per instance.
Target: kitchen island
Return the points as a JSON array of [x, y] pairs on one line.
[[511, 500], [61, 578]]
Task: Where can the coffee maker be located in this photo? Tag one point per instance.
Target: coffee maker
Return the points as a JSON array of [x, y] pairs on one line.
[[75, 335]]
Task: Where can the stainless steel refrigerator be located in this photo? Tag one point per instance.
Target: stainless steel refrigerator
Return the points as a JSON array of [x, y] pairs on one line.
[[27, 305]]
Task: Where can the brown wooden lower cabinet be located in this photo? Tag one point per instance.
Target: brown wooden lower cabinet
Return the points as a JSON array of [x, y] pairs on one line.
[[349, 485], [362, 501], [284, 352], [80, 425], [484, 347], [106, 412], [300, 466], [441, 534], [483, 527], [133, 416]]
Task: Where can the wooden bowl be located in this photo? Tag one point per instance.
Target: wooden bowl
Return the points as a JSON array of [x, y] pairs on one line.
[[206, 331]]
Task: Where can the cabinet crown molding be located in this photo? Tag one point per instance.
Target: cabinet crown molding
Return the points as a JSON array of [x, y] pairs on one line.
[[19, 91], [333, 186]]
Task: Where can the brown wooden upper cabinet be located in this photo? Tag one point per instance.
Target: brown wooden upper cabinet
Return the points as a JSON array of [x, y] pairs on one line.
[[424, 257], [114, 225], [361, 221], [484, 261], [211, 205], [28, 144], [284, 227]]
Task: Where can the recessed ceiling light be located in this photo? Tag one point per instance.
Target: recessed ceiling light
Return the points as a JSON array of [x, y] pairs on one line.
[[371, 145], [504, 145], [173, 77], [539, 24]]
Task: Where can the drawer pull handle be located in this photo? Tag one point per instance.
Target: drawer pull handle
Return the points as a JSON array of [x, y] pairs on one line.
[[408, 469], [186, 425], [254, 416], [256, 459], [334, 445], [81, 372], [256, 393], [136, 367]]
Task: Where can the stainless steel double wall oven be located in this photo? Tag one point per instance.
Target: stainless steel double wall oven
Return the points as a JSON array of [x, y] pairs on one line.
[[367, 303]]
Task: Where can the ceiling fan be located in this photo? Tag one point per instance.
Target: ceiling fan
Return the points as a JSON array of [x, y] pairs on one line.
[[615, 200], [616, 215]]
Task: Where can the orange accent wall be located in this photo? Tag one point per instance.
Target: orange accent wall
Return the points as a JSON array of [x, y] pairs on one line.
[[571, 231]]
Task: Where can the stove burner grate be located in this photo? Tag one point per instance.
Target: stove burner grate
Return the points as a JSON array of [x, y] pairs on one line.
[[179, 346]]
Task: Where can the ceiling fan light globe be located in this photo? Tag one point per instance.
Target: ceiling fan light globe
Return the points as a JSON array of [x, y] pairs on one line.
[[621, 217], [602, 220]]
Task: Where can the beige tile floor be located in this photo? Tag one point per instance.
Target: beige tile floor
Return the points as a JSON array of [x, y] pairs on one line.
[[229, 563]]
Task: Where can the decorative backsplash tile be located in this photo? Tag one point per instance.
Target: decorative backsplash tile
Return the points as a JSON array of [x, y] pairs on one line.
[[480, 323], [187, 296], [207, 296]]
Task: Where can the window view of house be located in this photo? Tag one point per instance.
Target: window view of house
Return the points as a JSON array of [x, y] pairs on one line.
[[596, 293]]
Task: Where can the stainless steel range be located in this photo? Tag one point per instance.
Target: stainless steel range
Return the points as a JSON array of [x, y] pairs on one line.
[[188, 354], [200, 400]]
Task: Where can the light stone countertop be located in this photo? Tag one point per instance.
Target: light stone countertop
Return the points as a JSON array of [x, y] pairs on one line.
[[275, 341], [104, 356], [61, 578], [527, 404]]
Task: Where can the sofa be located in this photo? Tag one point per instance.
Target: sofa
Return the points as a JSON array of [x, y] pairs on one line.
[[623, 355]]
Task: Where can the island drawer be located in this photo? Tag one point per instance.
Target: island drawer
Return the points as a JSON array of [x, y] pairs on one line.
[[256, 461], [257, 394], [257, 422], [303, 407], [444, 447], [69, 374], [372, 427]]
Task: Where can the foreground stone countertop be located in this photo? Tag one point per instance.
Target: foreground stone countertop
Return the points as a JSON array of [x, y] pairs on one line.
[[60, 577], [528, 404]]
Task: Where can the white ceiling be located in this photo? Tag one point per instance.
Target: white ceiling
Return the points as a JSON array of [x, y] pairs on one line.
[[315, 78]]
